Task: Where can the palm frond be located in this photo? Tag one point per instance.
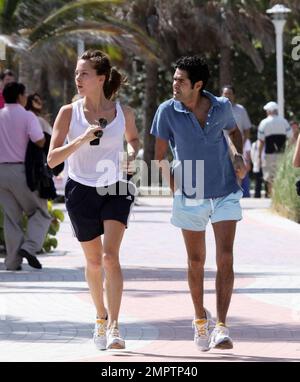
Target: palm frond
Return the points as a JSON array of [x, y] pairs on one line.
[[8, 8], [14, 41], [2, 6], [108, 33], [61, 12]]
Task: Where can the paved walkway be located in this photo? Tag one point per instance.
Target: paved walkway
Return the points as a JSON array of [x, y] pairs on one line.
[[48, 315]]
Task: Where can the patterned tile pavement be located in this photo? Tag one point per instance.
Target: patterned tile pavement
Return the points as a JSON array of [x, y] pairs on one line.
[[47, 315]]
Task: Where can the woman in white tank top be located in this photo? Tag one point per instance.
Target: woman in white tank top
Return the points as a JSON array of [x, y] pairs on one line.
[[96, 199]]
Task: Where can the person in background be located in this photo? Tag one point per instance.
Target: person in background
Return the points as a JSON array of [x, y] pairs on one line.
[[6, 77], [244, 124], [295, 130], [17, 127], [37, 159], [272, 134], [247, 159], [35, 104], [257, 169], [296, 157], [239, 112]]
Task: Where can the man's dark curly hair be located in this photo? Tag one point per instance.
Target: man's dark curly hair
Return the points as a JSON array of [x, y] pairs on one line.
[[196, 68]]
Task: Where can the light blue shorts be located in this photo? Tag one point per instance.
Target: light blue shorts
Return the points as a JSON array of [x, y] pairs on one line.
[[194, 214]]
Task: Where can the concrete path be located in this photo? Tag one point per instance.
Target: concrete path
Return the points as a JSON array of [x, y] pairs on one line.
[[48, 315]]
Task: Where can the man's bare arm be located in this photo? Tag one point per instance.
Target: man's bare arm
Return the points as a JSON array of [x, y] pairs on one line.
[[237, 139], [236, 149], [161, 149]]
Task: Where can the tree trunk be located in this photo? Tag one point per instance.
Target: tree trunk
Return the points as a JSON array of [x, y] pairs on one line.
[[26, 72], [150, 109], [225, 69], [49, 104]]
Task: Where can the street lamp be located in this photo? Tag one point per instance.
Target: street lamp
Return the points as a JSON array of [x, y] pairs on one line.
[[80, 40], [2, 50], [279, 14]]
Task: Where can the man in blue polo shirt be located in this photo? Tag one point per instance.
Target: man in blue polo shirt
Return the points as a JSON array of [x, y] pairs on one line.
[[203, 179]]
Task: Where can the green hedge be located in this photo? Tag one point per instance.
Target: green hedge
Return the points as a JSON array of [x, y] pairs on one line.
[[285, 200], [50, 240]]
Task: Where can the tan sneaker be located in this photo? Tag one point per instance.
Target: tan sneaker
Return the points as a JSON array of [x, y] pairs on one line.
[[202, 332], [114, 340], [100, 339], [220, 338]]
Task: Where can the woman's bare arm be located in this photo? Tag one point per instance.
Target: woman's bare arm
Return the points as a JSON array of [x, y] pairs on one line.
[[58, 152]]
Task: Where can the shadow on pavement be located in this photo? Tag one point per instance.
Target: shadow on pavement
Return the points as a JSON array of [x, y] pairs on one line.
[[14, 329], [131, 273], [210, 356]]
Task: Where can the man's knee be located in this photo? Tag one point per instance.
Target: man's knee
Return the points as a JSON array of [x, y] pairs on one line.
[[196, 262], [225, 260]]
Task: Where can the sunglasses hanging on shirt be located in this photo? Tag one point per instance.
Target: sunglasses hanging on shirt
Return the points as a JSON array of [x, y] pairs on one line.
[[102, 123]]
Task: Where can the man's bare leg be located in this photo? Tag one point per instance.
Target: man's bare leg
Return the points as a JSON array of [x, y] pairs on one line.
[[195, 246], [224, 234]]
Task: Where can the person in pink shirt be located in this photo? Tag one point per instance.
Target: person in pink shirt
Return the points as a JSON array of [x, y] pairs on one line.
[[6, 77], [17, 127]]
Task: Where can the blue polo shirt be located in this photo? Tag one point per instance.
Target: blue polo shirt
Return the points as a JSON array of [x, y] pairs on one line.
[[202, 164]]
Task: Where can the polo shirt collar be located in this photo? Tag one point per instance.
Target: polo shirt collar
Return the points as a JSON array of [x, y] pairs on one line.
[[180, 107], [213, 99]]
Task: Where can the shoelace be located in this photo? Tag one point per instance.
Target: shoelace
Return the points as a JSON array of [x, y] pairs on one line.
[[201, 329], [101, 328], [115, 332], [221, 329]]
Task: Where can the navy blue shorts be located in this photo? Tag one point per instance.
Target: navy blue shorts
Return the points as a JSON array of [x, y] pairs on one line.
[[88, 207]]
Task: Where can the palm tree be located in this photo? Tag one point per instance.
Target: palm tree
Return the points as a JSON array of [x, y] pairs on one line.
[[193, 26], [16, 16], [7, 12], [8, 23], [98, 21], [51, 41], [144, 14], [216, 27], [96, 18]]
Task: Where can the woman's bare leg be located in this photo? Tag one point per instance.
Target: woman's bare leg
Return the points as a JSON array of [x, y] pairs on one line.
[[113, 234], [93, 251]]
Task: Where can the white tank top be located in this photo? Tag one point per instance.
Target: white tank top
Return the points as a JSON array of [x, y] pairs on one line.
[[96, 166]]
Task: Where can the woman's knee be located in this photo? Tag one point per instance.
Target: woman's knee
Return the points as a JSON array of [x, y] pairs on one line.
[[93, 264], [111, 260]]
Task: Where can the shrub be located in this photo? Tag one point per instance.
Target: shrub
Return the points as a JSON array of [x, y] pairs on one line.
[[285, 200], [50, 241]]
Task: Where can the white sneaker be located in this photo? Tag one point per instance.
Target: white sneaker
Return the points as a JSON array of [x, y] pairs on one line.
[[114, 340], [220, 338], [100, 330], [202, 329]]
